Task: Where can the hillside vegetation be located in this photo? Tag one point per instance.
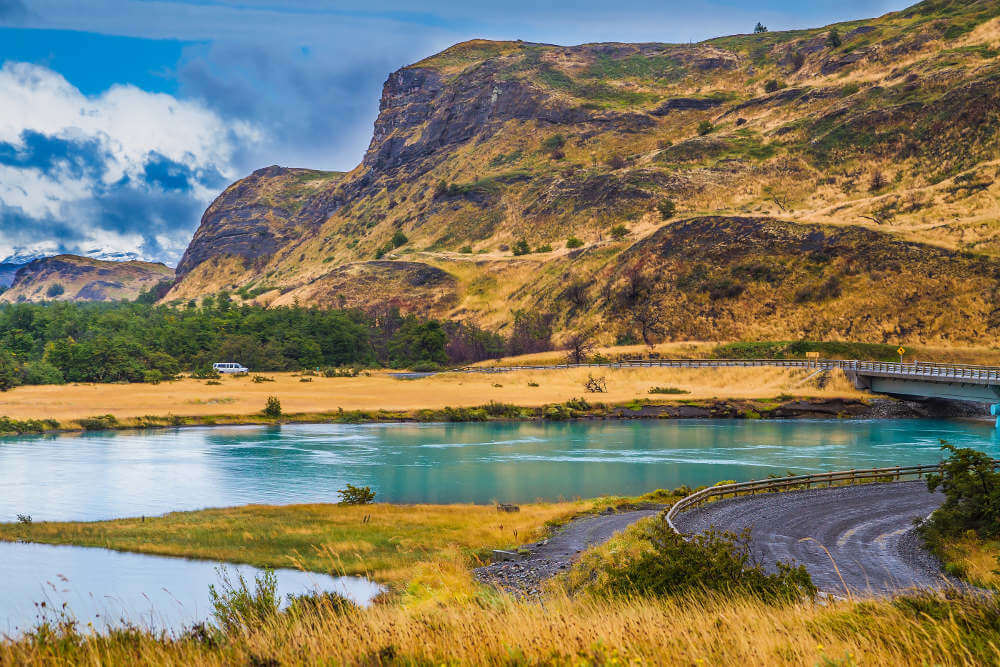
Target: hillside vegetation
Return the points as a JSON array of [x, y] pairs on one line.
[[838, 182]]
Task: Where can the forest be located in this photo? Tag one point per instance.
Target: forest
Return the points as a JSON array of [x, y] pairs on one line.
[[52, 343]]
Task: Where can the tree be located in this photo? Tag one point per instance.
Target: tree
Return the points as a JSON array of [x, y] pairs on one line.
[[773, 85], [618, 232], [356, 495], [833, 38], [10, 375], [573, 242], [521, 247], [759, 28], [272, 408], [971, 486], [531, 332], [667, 209], [705, 127], [579, 344], [650, 320], [55, 290]]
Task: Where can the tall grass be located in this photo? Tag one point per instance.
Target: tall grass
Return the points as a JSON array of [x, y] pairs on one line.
[[498, 630]]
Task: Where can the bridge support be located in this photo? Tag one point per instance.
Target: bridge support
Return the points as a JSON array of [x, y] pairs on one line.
[[995, 411]]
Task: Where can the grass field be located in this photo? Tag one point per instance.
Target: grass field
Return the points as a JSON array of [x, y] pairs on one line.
[[379, 390], [400, 545]]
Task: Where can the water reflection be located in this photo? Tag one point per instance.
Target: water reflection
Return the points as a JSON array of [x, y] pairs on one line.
[[103, 475], [105, 588]]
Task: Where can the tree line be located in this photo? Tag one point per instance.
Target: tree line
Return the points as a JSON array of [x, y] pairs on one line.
[[52, 343]]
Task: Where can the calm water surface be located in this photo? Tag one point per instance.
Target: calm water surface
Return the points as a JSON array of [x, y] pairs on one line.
[[116, 474], [104, 587]]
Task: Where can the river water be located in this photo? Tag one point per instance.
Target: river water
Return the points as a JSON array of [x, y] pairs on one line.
[[104, 475]]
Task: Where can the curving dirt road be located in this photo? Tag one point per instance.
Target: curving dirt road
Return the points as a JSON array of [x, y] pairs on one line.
[[867, 529]]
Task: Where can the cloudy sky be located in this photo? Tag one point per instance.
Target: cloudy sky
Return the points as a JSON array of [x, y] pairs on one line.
[[120, 120]]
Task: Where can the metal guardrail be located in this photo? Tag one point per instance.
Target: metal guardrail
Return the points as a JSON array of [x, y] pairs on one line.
[[776, 484], [913, 370]]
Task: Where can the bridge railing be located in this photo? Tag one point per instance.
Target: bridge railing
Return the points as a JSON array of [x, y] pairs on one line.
[[928, 370], [820, 479]]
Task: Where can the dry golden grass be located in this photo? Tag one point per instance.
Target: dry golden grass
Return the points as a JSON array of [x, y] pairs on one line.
[[501, 631], [242, 396], [978, 560]]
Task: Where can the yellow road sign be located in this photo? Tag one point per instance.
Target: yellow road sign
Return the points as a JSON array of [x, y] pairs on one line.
[[900, 351]]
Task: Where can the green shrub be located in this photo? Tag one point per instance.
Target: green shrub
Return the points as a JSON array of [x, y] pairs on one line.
[[54, 290], [971, 488], [99, 423], [399, 239], [272, 408], [553, 143], [573, 242], [667, 564], [356, 495], [238, 609], [667, 209], [773, 85], [19, 426], [152, 376], [618, 232], [262, 378], [205, 373], [42, 372], [833, 38], [705, 127], [544, 248], [340, 372], [521, 247], [425, 367], [310, 605], [466, 249], [667, 390]]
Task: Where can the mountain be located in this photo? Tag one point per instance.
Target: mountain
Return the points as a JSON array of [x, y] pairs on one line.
[[835, 182], [75, 278]]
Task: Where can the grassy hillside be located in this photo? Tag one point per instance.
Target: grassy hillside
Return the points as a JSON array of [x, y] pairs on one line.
[[75, 278], [831, 183]]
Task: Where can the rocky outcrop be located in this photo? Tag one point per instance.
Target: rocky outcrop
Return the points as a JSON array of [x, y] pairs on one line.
[[75, 278]]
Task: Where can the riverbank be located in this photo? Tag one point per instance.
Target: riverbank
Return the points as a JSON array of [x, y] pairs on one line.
[[316, 398]]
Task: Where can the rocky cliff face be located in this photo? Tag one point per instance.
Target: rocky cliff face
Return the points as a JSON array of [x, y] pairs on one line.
[[74, 278], [888, 128]]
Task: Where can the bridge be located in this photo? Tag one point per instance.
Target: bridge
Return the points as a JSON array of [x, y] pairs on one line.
[[913, 380]]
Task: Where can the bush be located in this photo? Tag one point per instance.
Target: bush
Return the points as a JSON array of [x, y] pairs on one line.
[[521, 247], [618, 232], [99, 423], [19, 426], [205, 373], [340, 372], [262, 378], [665, 564], [705, 127], [425, 367], [553, 143], [236, 608], [399, 239], [667, 390], [833, 38], [596, 385], [773, 85], [152, 377], [573, 242], [667, 209], [54, 290], [24, 519], [971, 487], [310, 605], [544, 248], [273, 407], [42, 372], [356, 495]]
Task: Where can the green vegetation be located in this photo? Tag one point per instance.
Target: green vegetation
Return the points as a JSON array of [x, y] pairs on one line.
[[573, 242], [650, 559], [54, 290], [131, 342], [797, 350], [521, 247], [272, 408], [667, 390], [705, 127], [971, 487], [667, 209], [356, 495]]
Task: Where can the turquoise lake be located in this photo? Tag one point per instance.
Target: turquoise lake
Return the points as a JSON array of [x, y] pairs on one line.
[[132, 473]]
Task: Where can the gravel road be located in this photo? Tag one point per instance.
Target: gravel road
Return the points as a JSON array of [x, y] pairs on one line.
[[552, 555], [868, 530]]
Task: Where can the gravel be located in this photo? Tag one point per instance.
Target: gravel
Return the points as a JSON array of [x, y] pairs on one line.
[[541, 560]]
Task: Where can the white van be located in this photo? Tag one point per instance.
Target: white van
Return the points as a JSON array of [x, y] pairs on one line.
[[230, 368]]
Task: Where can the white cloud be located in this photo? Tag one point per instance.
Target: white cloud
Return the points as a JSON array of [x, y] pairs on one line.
[[109, 140]]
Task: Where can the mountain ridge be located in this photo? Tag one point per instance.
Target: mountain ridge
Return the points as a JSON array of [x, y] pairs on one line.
[[887, 125]]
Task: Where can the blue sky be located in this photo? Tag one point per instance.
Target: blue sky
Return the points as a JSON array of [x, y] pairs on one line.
[[122, 119]]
